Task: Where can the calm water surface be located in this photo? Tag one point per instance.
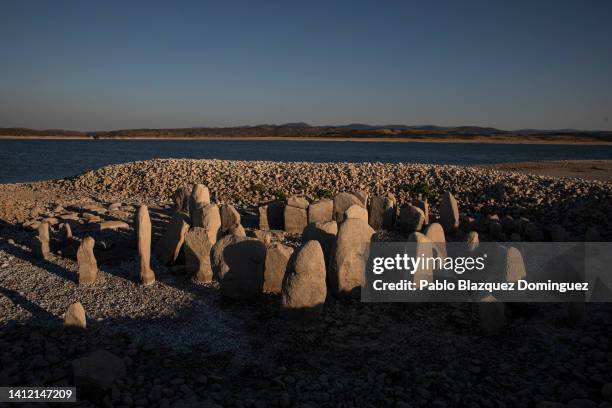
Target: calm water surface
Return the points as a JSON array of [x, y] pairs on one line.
[[31, 160]]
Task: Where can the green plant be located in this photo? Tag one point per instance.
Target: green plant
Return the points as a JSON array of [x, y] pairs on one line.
[[324, 193]]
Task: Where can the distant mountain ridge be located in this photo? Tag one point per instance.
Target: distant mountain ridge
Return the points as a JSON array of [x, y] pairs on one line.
[[302, 129]]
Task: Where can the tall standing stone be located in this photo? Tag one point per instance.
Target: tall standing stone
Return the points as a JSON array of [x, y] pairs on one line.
[[40, 244], [88, 267], [197, 254], [296, 215], [277, 258], [170, 244], [435, 233], [352, 251], [362, 195], [411, 219], [514, 269], [325, 233], [357, 211], [423, 248], [382, 212], [424, 206], [208, 217], [230, 217], [142, 225], [272, 216], [449, 213], [321, 211], [342, 202], [75, 317], [304, 288], [200, 196], [181, 199]]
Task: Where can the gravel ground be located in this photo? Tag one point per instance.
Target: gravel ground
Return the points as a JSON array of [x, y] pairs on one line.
[[184, 345]]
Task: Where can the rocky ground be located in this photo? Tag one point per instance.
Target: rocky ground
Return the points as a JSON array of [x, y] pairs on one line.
[[183, 345]]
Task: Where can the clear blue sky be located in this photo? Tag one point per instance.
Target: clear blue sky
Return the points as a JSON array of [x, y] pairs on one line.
[[107, 65]]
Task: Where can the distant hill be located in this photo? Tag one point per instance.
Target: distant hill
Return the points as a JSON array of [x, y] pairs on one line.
[[354, 130]]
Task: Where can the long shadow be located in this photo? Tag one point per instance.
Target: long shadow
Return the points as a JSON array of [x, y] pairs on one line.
[[36, 311], [41, 263]]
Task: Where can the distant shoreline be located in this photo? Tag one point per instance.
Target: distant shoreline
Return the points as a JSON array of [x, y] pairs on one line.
[[556, 140]]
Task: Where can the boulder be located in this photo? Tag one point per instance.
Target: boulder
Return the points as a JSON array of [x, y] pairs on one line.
[[411, 219], [342, 202], [230, 217], [97, 371], [200, 196], [142, 225], [272, 216], [197, 254], [277, 257], [88, 267], [382, 213], [181, 199], [449, 213], [304, 289], [208, 217], [356, 211], [295, 219], [325, 233], [321, 211], [170, 244], [351, 255], [435, 233], [75, 317], [424, 206], [238, 264]]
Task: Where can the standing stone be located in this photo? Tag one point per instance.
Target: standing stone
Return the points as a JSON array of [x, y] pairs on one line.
[[88, 267], [472, 241], [197, 254], [411, 219], [514, 269], [423, 248], [208, 217], [424, 206], [382, 212], [356, 211], [325, 233], [230, 217], [277, 257], [142, 224], [491, 315], [75, 316], [66, 232], [304, 288], [237, 230], [272, 216], [321, 211], [181, 199], [169, 245], [449, 213], [352, 251], [362, 195], [342, 202], [69, 244], [239, 265], [435, 233], [296, 216], [40, 243], [199, 197]]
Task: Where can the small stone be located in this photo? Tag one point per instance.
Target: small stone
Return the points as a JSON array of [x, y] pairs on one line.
[[88, 266], [75, 316]]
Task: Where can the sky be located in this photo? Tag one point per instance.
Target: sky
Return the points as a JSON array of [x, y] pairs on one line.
[[87, 65]]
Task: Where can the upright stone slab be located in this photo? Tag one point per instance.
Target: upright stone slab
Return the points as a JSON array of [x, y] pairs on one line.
[[272, 216], [321, 211], [69, 244], [40, 244], [200, 196], [170, 244], [514, 266], [277, 257], [382, 212], [424, 206], [296, 215], [342, 202], [142, 224], [208, 217], [239, 265], [304, 288], [449, 213], [411, 219], [472, 241], [325, 233], [181, 199], [237, 230], [352, 251], [88, 267], [197, 254], [75, 317], [230, 217], [357, 211], [362, 195], [435, 233], [423, 248]]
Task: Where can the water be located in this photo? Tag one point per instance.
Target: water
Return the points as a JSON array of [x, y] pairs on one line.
[[32, 160]]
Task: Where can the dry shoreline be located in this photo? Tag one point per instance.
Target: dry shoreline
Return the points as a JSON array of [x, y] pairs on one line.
[[433, 139]]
